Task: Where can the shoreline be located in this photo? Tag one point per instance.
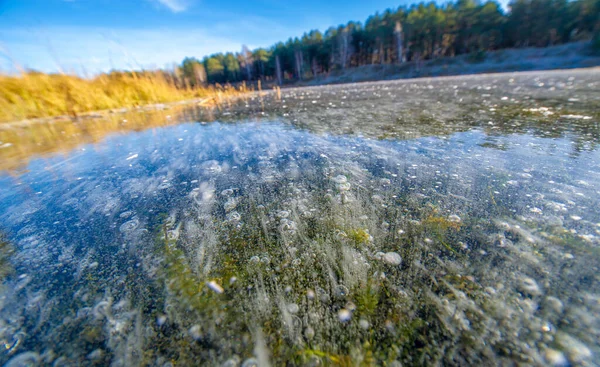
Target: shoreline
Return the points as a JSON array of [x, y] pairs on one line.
[[446, 77], [205, 102], [202, 102], [569, 56]]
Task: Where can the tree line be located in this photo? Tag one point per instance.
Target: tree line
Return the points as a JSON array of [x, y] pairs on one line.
[[419, 32]]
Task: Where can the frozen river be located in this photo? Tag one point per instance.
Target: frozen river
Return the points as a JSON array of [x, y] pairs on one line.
[[450, 221]]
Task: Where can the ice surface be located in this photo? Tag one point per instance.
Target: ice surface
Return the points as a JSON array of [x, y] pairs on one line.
[[448, 221]]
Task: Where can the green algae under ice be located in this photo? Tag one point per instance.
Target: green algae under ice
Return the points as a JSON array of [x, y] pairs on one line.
[[449, 221]]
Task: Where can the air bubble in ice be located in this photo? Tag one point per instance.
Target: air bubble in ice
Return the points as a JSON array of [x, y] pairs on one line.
[[227, 192], [555, 358], [344, 315], [102, 309], [529, 286], [230, 204], [293, 308], [283, 214], [96, 355], [454, 218], [340, 179], [323, 294], [340, 291], [233, 217], [576, 351], [195, 332], [164, 185], [232, 362], [24, 360], [344, 186], [287, 225], [129, 226], [250, 362], [214, 286], [173, 235], [211, 166]]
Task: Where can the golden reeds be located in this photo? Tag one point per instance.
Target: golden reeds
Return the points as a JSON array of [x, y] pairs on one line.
[[38, 95]]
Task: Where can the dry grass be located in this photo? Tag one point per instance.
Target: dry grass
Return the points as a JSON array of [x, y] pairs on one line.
[[35, 95]]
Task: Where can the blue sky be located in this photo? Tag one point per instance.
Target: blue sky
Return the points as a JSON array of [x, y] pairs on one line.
[[89, 36]]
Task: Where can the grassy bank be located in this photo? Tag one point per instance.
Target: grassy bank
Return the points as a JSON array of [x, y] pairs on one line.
[[35, 95]]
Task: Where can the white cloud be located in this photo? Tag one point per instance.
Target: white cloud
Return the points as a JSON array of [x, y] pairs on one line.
[[175, 6]]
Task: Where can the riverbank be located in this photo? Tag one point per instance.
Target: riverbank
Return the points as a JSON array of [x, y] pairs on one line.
[[34, 95], [575, 55], [37, 96]]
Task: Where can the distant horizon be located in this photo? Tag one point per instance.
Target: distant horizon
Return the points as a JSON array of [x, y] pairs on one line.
[[88, 37]]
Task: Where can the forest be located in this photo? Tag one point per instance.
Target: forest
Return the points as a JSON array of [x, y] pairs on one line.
[[418, 32]]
